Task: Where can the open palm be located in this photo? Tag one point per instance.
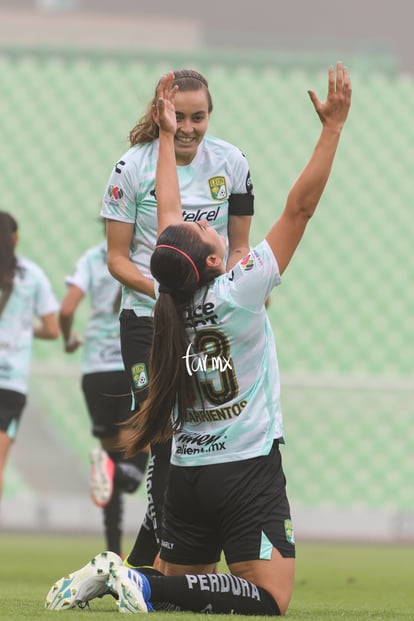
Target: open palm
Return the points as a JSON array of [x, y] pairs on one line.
[[164, 109]]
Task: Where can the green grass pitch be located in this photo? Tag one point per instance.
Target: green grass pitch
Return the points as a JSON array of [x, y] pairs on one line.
[[354, 582]]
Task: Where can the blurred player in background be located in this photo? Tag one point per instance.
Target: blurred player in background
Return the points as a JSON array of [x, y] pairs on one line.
[[105, 386], [215, 185], [28, 308]]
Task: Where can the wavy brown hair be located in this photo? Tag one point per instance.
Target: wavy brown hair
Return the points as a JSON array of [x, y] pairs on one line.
[[146, 130], [170, 383], [8, 260]]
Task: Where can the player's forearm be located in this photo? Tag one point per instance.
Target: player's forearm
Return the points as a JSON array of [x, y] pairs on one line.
[[166, 183], [65, 323], [307, 190], [126, 272], [48, 328]]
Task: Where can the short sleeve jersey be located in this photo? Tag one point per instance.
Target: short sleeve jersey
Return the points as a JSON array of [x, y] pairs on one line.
[[102, 348], [32, 297], [239, 414], [218, 170]]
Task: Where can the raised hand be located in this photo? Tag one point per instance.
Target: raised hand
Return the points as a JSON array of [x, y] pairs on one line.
[[334, 110], [163, 108]]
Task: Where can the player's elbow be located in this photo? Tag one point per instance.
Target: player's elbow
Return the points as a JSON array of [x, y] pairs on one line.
[[53, 334], [112, 262], [66, 311], [50, 330], [302, 205]]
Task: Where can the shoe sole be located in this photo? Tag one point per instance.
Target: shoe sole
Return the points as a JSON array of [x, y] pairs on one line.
[[72, 590], [101, 485], [129, 601]]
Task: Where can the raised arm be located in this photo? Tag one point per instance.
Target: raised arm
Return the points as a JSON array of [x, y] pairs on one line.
[[167, 190], [238, 232], [305, 194]]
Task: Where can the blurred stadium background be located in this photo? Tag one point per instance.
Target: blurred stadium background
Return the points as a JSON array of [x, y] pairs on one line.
[[75, 78]]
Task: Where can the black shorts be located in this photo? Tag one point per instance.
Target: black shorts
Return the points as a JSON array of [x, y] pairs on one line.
[[11, 407], [136, 339], [108, 397], [238, 507]]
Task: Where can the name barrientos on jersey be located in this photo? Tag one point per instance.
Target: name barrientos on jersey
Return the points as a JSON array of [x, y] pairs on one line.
[[216, 414]]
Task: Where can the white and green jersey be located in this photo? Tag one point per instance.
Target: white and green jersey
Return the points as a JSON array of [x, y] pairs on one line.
[[102, 347], [218, 175], [32, 297], [239, 415]]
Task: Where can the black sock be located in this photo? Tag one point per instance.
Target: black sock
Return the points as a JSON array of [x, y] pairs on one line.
[[113, 522], [212, 593], [157, 475], [145, 548]]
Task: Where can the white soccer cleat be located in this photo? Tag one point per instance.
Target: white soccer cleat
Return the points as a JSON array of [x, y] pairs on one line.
[[132, 588], [84, 584], [102, 476]]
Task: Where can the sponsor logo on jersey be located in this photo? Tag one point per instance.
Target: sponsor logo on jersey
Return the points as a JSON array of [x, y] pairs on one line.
[[139, 375], [201, 315], [194, 444], [247, 263], [218, 188], [201, 214], [115, 192]]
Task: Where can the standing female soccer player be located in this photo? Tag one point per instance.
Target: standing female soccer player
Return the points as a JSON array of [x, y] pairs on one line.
[[215, 186], [105, 386], [28, 308], [214, 366]]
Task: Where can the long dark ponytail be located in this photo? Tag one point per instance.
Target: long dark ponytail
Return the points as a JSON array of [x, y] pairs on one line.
[[179, 265], [8, 260]]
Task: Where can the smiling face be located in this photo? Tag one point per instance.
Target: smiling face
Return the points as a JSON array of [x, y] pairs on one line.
[[191, 110]]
